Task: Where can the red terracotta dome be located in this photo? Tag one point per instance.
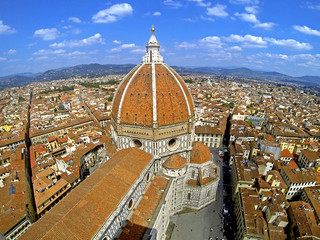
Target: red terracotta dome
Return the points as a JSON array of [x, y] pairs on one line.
[[175, 161], [200, 153], [152, 93]]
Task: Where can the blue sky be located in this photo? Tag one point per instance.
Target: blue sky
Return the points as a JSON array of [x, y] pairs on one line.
[[268, 35]]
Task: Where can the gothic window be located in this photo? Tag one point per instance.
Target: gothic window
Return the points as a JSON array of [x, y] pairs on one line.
[[148, 177], [130, 205], [189, 196], [193, 173]]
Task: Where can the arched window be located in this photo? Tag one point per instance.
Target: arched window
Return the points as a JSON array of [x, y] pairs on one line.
[[131, 203], [148, 177]]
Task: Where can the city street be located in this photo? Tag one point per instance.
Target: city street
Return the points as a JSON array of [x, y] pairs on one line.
[[209, 222]]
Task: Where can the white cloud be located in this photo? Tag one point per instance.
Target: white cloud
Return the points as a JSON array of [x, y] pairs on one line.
[[245, 2], [74, 19], [307, 30], [236, 48], [218, 10], [113, 13], [44, 52], [47, 33], [251, 18], [248, 41], [95, 39], [313, 6], [186, 45], [116, 42], [278, 56], [2, 59], [123, 46], [172, 3], [156, 14], [251, 9], [290, 43], [190, 19], [11, 51], [211, 42], [266, 25], [67, 27], [206, 18], [247, 17], [201, 3], [138, 50], [49, 54], [6, 29], [75, 53]]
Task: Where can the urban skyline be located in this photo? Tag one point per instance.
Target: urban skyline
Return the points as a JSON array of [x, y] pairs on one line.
[[262, 35], [156, 155]]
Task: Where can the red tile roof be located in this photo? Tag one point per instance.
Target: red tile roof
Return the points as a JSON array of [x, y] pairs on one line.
[[140, 220], [286, 153], [93, 200]]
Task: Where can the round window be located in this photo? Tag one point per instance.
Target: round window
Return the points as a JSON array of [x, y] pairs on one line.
[[173, 144], [131, 202], [136, 143]]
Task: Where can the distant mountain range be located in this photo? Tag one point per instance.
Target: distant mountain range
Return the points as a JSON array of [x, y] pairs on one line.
[[248, 73], [96, 70]]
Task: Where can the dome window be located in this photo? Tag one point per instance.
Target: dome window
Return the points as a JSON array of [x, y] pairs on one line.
[[173, 144], [136, 143]]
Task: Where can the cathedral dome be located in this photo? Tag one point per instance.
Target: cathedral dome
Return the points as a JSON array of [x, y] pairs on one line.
[[200, 153], [152, 94], [175, 161]]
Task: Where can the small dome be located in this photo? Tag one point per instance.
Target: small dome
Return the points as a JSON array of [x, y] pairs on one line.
[[175, 161], [200, 153]]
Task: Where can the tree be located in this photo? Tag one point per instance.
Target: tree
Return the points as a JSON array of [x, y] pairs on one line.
[[110, 99], [188, 81], [249, 123]]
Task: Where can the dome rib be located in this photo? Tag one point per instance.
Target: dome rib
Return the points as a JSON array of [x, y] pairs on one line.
[[154, 94]]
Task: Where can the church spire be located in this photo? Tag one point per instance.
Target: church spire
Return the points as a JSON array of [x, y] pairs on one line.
[[152, 50]]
